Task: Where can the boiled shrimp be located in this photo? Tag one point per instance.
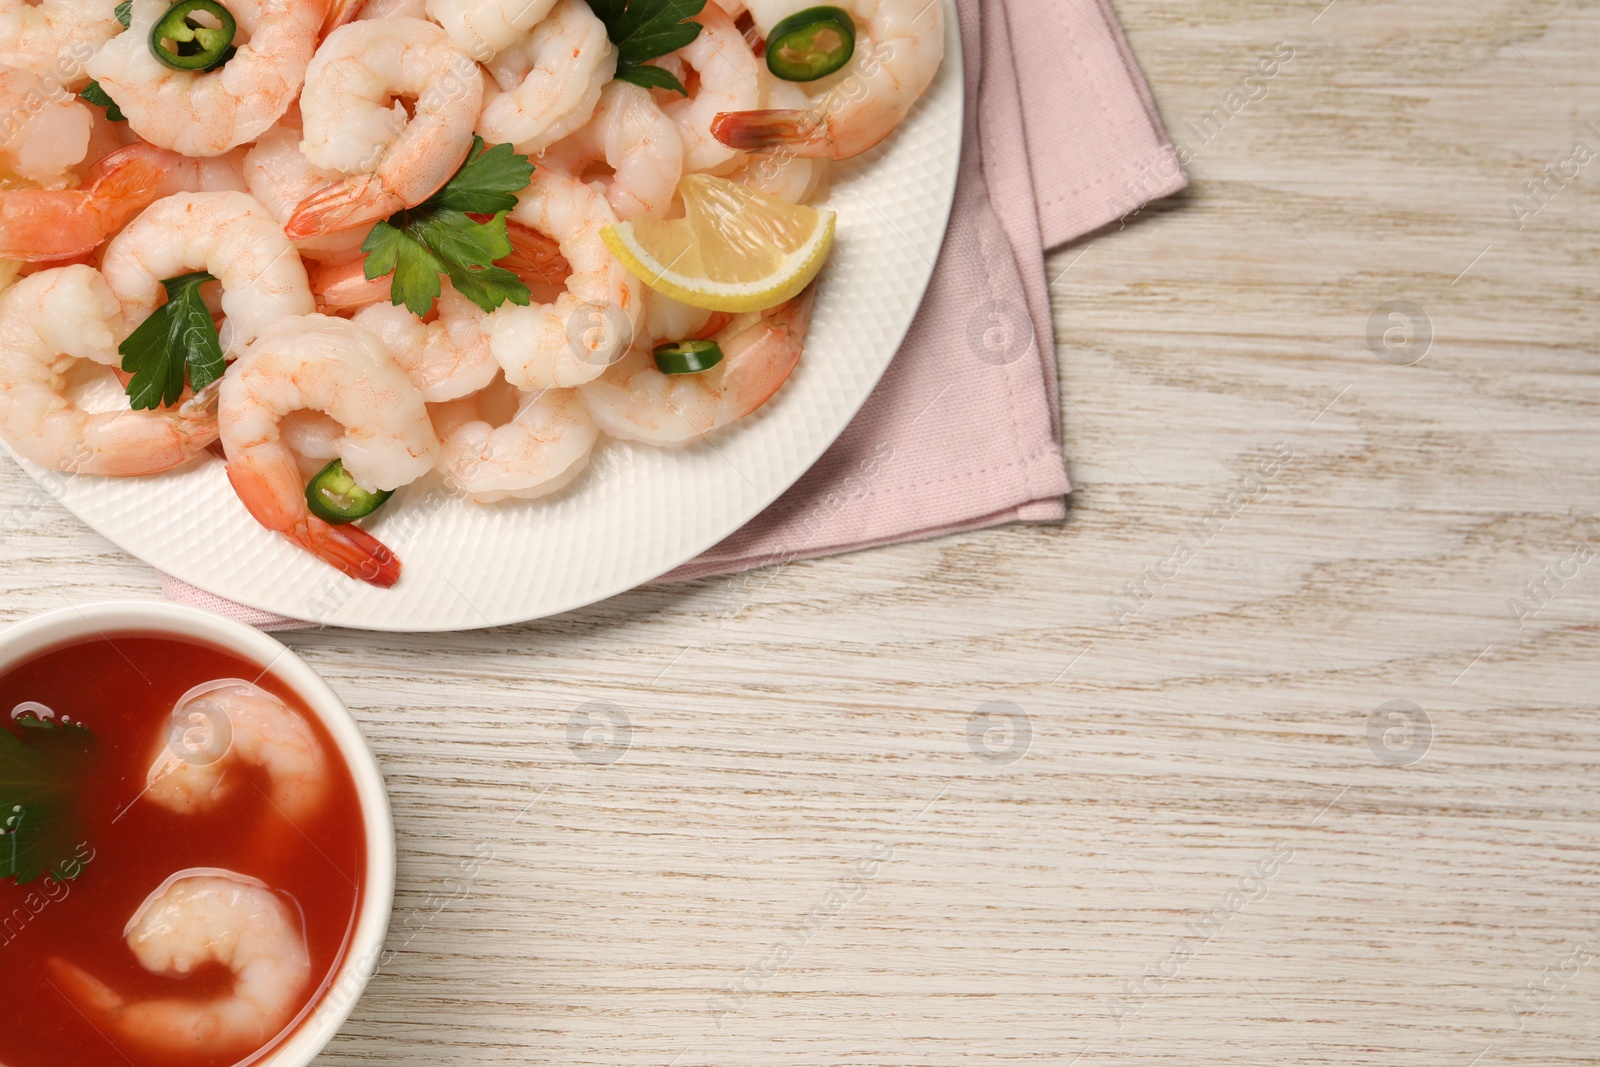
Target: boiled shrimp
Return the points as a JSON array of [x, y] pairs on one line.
[[551, 79], [539, 449], [636, 402], [593, 321], [46, 128], [355, 126], [198, 917], [481, 28], [231, 236], [50, 321], [280, 177], [208, 113], [899, 46], [54, 36], [330, 365], [223, 725], [730, 81], [446, 358], [54, 224], [632, 135]]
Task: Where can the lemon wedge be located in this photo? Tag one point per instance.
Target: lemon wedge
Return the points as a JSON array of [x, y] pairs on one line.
[[735, 249]]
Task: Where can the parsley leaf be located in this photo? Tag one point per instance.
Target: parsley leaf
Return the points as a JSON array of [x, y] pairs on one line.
[[651, 77], [41, 773], [487, 183], [125, 13], [94, 94], [178, 337], [416, 270], [645, 29], [440, 236]]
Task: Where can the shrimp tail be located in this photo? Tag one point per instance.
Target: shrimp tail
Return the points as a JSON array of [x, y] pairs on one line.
[[345, 286], [33, 226], [339, 13], [42, 225], [343, 205], [349, 548], [803, 132], [133, 177]]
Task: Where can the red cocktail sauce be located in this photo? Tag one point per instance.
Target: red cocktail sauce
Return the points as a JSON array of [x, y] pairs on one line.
[[123, 688]]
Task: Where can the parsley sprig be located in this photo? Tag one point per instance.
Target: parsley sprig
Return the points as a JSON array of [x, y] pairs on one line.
[[178, 337], [645, 29], [43, 770], [441, 236]]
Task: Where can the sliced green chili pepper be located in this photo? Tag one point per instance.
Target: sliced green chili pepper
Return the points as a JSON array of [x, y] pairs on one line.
[[811, 44], [183, 43], [335, 497], [687, 357]]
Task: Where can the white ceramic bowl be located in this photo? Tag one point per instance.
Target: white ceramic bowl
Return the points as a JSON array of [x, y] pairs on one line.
[[317, 1026]]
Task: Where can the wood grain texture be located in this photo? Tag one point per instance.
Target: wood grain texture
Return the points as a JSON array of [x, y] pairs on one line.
[[806, 852]]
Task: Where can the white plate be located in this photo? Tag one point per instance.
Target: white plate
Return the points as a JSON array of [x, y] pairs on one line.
[[637, 512]]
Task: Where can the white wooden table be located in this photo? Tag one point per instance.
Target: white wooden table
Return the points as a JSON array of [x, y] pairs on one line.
[[1212, 844]]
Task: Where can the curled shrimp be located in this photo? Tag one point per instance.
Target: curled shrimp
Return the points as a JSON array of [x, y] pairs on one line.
[[481, 28], [54, 224], [355, 126], [446, 358], [536, 445], [219, 726], [54, 36], [593, 321], [207, 113], [551, 79], [280, 177], [50, 321], [330, 365], [899, 46], [229, 235], [634, 401], [730, 81], [197, 917], [46, 129], [632, 135]]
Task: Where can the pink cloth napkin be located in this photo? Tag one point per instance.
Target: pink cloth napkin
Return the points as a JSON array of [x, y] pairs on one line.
[[964, 431]]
